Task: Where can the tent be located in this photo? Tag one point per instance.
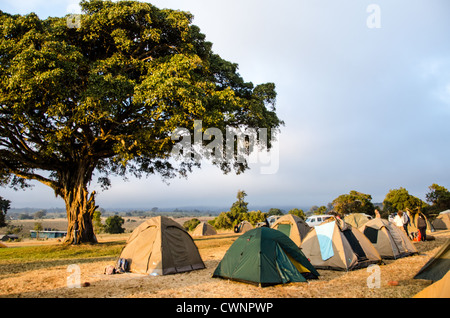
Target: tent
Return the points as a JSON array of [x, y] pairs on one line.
[[161, 246], [293, 226], [264, 257], [243, 227], [2, 245], [442, 222], [356, 219], [204, 229], [388, 239], [337, 245], [437, 266], [439, 289]]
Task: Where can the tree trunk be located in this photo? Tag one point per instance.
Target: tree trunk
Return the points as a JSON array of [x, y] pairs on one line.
[[80, 206]]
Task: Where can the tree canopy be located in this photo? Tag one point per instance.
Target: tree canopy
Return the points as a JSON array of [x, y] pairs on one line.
[[439, 198], [354, 202], [400, 199], [104, 97]]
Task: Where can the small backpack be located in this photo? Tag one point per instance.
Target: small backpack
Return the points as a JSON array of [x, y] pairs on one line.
[[122, 265], [110, 270]]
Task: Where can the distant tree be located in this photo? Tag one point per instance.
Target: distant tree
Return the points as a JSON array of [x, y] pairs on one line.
[[354, 202], [25, 216], [39, 214], [97, 222], [114, 225], [4, 207], [312, 209], [240, 206], [38, 228], [255, 217], [223, 221], [298, 212], [400, 199], [106, 96], [438, 197], [274, 211], [321, 210]]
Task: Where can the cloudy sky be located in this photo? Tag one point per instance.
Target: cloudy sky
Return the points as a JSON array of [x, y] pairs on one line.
[[363, 87]]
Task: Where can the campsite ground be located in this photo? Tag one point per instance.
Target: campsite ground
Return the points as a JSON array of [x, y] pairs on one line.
[[49, 277]]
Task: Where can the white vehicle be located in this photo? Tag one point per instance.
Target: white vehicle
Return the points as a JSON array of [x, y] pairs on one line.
[[314, 220]]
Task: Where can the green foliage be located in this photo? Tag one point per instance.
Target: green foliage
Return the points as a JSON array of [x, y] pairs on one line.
[[438, 197], [106, 97], [274, 211], [109, 93], [113, 225], [191, 224], [354, 202], [400, 199], [97, 222], [4, 207], [320, 210], [298, 212], [240, 206], [238, 213]]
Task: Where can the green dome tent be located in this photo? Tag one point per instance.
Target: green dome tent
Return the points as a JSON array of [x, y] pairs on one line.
[[265, 257]]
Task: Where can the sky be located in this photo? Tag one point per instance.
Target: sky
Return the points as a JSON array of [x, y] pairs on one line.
[[363, 88]]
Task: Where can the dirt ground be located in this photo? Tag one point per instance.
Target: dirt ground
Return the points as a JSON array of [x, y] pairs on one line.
[[54, 279]]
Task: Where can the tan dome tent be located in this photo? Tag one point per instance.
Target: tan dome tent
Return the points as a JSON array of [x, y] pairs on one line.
[[388, 239], [161, 246], [293, 226], [356, 219], [243, 227], [204, 229], [337, 245], [442, 222]]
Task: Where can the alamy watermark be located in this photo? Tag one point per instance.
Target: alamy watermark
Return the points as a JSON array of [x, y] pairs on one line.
[[374, 19], [74, 279], [374, 279], [242, 145]]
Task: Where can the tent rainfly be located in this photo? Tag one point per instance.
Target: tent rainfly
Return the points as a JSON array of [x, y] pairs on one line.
[[243, 227], [204, 229], [264, 257], [388, 239], [442, 222], [437, 266], [161, 246], [293, 226], [337, 245], [356, 219], [439, 289]]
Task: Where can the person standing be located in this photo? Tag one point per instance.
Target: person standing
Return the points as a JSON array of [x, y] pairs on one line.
[[422, 226]]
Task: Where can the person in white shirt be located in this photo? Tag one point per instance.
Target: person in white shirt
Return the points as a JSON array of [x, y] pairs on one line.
[[401, 220]]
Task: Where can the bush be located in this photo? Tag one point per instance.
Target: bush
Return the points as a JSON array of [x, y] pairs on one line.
[[114, 225], [191, 224]]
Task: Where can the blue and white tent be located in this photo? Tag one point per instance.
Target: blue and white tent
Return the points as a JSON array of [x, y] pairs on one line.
[[337, 245]]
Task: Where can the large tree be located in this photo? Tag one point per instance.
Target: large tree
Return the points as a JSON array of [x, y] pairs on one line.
[[103, 95], [354, 202], [400, 199], [438, 197]]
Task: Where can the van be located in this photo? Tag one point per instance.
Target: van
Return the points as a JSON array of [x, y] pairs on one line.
[[314, 220]]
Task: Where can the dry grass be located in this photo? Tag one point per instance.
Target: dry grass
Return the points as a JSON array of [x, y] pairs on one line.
[[49, 279]]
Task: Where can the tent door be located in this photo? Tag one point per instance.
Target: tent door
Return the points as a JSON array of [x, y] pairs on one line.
[[285, 229], [354, 243]]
